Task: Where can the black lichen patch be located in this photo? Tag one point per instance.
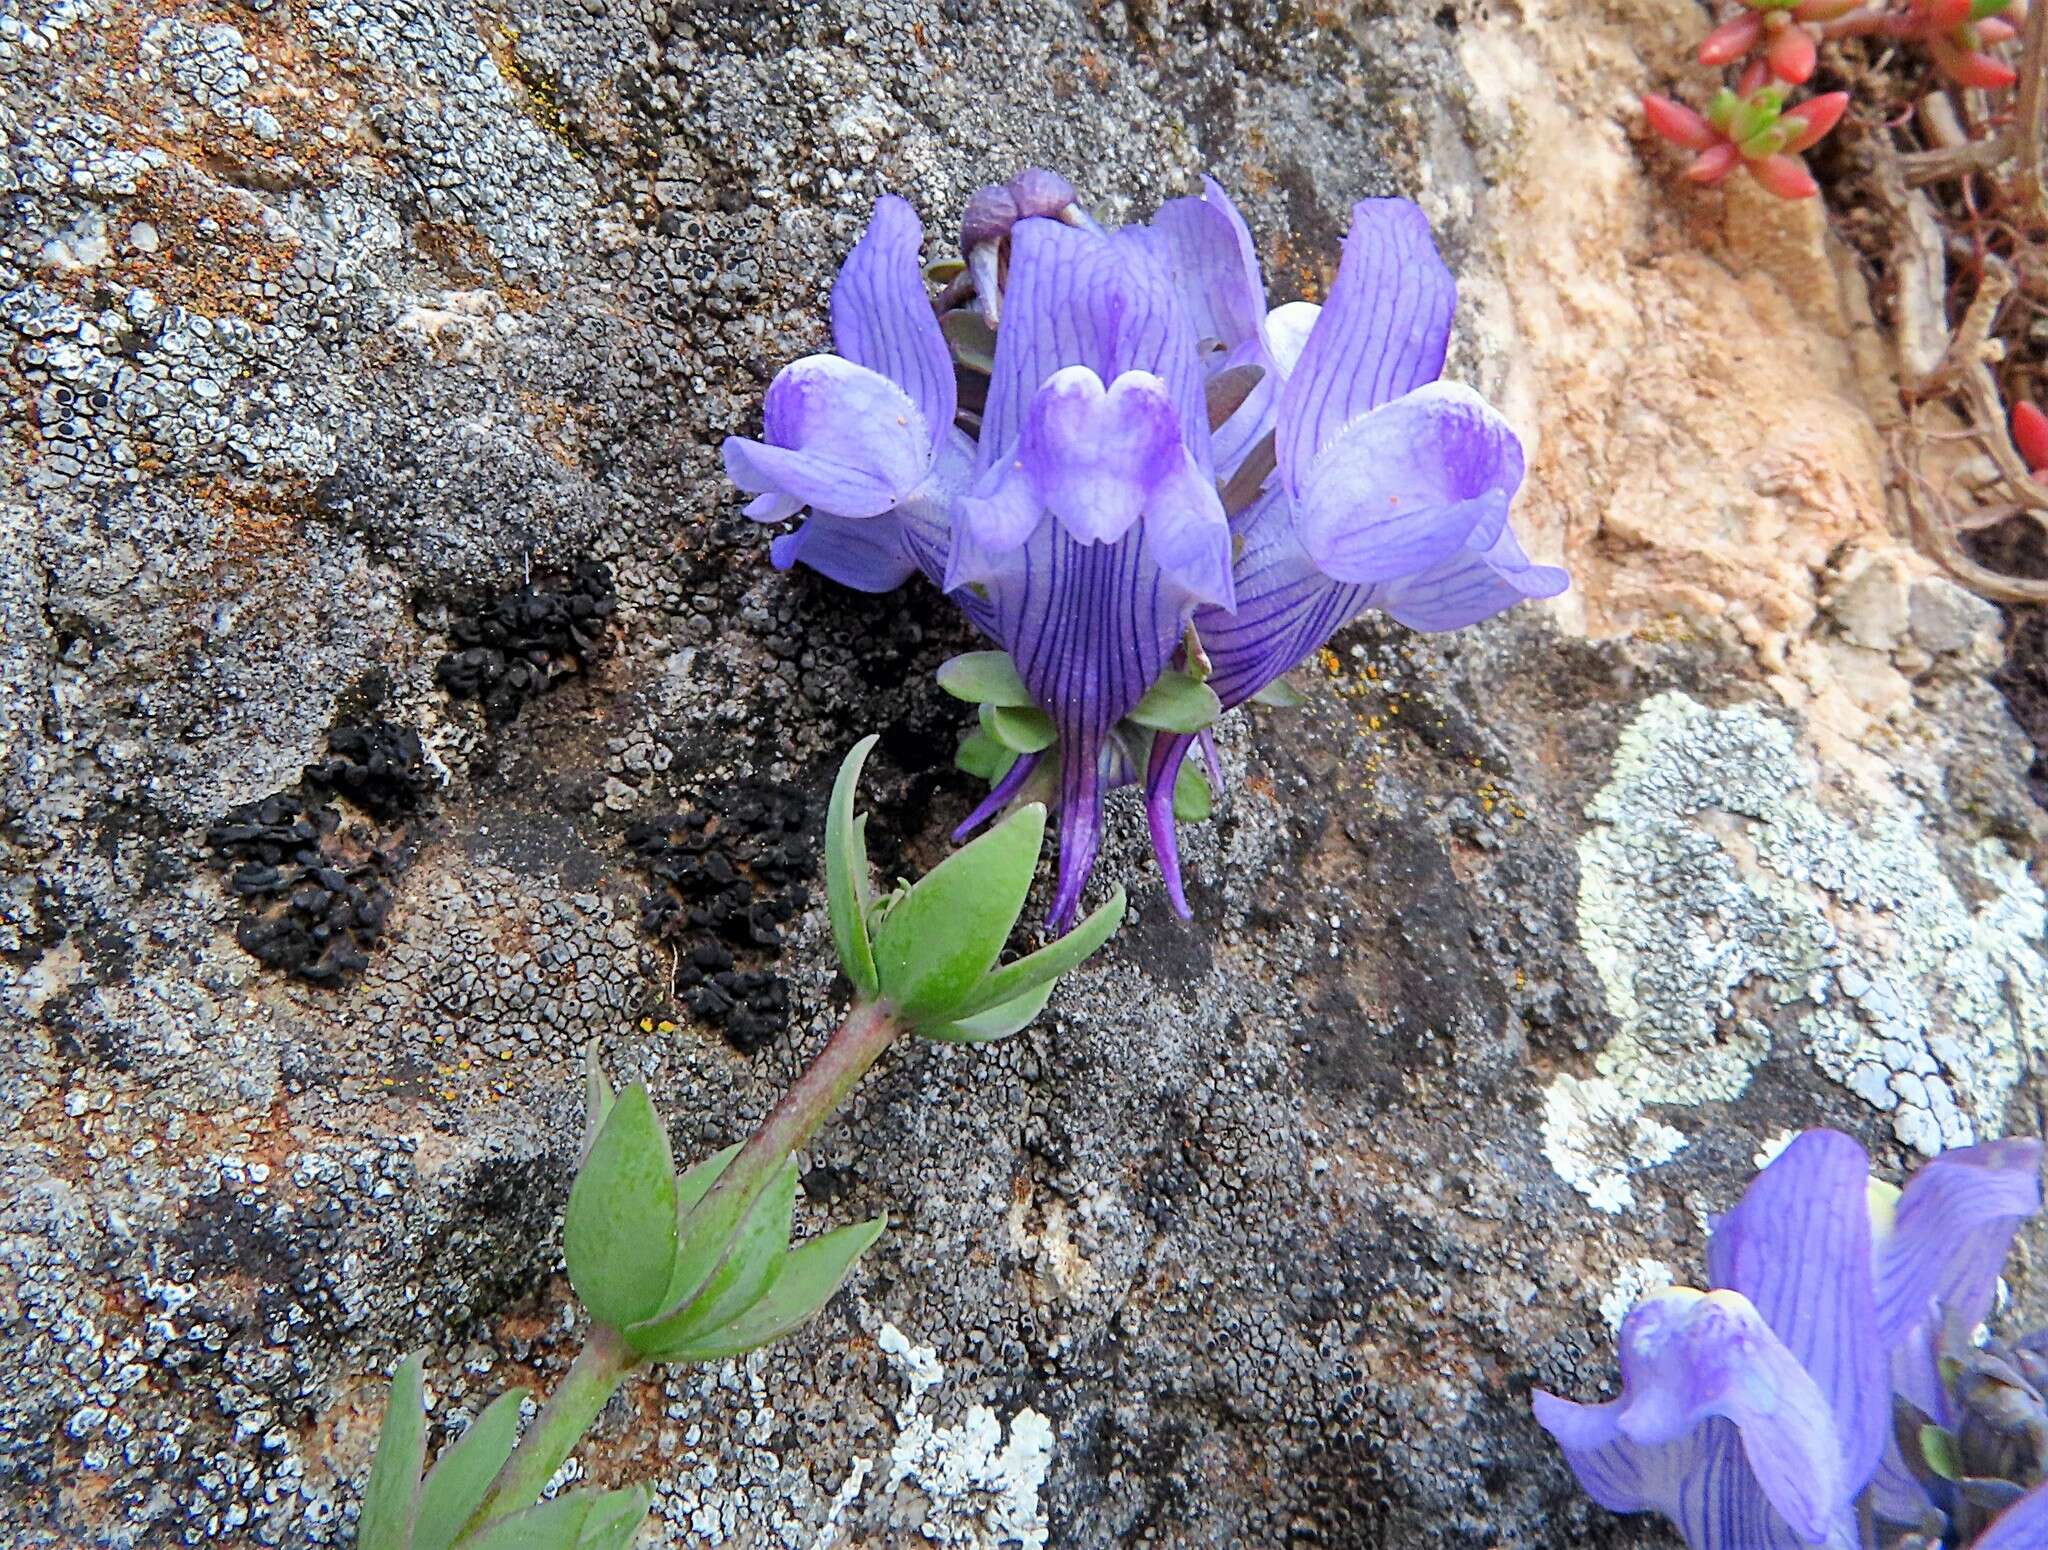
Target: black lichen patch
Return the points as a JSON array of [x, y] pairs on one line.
[[316, 875], [725, 882], [516, 645]]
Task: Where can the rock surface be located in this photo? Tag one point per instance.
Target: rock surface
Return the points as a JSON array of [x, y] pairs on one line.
[[336, 335]]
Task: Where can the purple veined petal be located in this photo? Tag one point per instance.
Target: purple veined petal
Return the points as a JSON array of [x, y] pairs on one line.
[[2022, 1526], [864, 553], [991, 525], [1189, 534], [773, 508], [1472, 585], [1286, 605], [1797, 1246], [882, 314], [837, 438], [1381, 334], [1947, 1238], [1078, 298], [1169, 752], [999, 795], [1095, 454], [1404, 488], [1206, 251]]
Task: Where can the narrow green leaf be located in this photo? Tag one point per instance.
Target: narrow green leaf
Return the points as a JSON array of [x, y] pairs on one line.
[[1192, 802], [1177, 703], [998, 1022], [984, 677], [386, 1522], [949, 929], [846, 866], [810, 1275], [1048, 963], [983, 757], [455, 1486], [597, 1102], [749, 1269], [579, 1520], [691, 1265], [1938, 1447], [620, 1236], [1281, 695], [863, 876], [1022, 731]]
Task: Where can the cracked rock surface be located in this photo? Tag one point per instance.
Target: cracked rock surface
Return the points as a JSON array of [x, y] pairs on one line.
[[363, 366]]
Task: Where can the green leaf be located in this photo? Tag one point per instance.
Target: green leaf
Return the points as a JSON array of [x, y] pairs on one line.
[[846, 871], [973, 342], [1013, 980], [983, 757], [986, 678], [620, 1236], [1191, 798], [597, 1102], [1281, 695], [386, 1522], [998, 1022], [1177, 703], [947, 932], [750, 1268], [580, 1520], [1938, 1447], [695, 1259], [1023, 731], [810, 1275], [455, 1486]]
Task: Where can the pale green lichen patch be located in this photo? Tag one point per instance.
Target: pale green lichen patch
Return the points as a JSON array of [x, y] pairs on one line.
[[1726, 910]]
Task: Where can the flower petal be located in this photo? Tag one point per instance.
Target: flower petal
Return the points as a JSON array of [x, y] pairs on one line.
[[1948, 1237], [1798, 1247], [1206, 251], [865, 553], [1405, 487], [1381, 334], [1169, 751], [1095, 454], [882, 314], [1473, 584], [1077, 298], [838, 438], [2022, 1526]]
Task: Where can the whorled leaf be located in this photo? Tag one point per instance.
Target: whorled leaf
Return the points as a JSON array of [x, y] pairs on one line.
[[998, 1022], [983, 757], [1021, 730], [747, 1265], [846, 873], [811, 1273], [455, 1486], [620, 1235], [945, 933], [1177, 703], [1012, 981], [579, 1520], [386, 1522], [1192, 799], [985, 678]]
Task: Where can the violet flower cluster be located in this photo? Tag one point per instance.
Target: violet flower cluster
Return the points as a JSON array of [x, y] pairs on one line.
[[1828, 1390], [1121, 465]]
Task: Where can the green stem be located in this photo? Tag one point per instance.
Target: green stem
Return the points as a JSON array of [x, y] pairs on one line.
[[589, 1384], [869, 1029]]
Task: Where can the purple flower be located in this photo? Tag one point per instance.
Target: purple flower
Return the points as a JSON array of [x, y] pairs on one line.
[[1164, 475], [1756, 1416]]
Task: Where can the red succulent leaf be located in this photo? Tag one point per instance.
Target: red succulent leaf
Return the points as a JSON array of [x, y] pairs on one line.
[[1824, 10], [1754, 74], [1678, 123], [1944, 15], [1967, 67], [1996, 29], [1819, 114], [1732, 39], [1785, 176], [1714, 163], [2030, 435], [1792, 55]]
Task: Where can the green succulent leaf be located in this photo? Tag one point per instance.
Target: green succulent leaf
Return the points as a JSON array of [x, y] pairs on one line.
[[696, 1256], [1013, 980], [846, 873], [983, 757], [597, 1102], [811, 1273], [1192, 799], [749, 1268], [1938, 1447], [455, 1486], [386, 1522], [947, 931], [620, 1235], [580, 1520], [1281, 695], [984, 678], [1177, 703], [998, 1022], [972, 340], [1022, 731]]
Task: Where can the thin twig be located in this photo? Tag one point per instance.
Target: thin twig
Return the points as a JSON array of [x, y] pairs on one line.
[[2028, 130]]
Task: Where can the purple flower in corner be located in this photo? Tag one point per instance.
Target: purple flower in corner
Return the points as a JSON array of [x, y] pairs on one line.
[[1761, 1415], [1155, 494]]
